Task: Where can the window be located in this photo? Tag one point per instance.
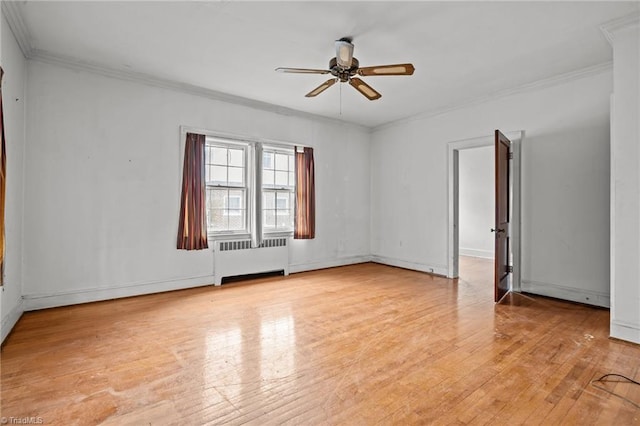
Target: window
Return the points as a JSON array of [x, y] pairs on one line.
[[226, 177], [230, 176], [278, 189]]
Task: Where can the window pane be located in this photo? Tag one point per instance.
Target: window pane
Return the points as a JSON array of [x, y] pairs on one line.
[[267, 160], [269, 217], [219, 156], [281, 178], [268, 177], [225, 172], [282, 162], [236, 220], [233, 203], [283, 219], [237, 199], [219, 175], [216, 197], [236, 176], [236, 157], [269, 200], [218, 220], [282, 201], [292, 179], [292, 163]]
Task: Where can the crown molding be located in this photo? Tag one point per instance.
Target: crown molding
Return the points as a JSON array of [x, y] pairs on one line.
[[610, 28], [151, 80], [527, 87], [13, 15], [164, 83], [11, 12]]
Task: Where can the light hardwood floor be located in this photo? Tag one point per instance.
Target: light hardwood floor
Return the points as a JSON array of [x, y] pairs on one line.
[[363, 345]]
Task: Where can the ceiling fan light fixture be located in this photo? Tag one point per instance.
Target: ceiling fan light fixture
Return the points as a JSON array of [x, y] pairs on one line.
[[344, 53], [344, 68]]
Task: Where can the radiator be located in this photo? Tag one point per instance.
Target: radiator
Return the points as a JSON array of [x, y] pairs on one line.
[[233, 258]]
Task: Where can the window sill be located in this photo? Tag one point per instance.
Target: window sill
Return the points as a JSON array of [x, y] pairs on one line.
[[243, 236], [278, 234], [226, 237]]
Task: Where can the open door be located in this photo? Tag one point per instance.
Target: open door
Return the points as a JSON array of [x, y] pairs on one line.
[[502, 267]]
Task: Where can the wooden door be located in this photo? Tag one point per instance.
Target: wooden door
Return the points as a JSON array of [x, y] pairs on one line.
[[502, 269]]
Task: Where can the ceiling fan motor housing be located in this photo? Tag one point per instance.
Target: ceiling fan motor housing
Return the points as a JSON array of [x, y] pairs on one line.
[[342, 73]]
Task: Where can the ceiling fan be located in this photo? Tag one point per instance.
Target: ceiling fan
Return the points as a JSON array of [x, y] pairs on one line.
[[345, 68]]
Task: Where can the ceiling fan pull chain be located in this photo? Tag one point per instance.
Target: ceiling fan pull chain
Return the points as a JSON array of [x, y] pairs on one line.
[[340, 99]]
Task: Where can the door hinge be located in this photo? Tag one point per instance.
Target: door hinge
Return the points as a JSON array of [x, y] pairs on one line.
[[511, 156], [509, 269]]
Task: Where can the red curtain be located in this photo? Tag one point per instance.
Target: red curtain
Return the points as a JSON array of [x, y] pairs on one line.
[[305, 221], [192, 229], [3, 183]]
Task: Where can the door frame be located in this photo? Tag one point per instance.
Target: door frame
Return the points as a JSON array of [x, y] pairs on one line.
[[453, 201]]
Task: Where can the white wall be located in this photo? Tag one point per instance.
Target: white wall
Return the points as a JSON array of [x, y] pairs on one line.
[[476, 201], [13, 93], [625, 166], [103, 180], [565, 175]]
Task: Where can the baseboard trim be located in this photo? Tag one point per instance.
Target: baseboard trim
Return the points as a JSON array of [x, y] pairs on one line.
[[572, 294], [483, 254], [625, 331], [37, 301], [11, 319], [415, 266], [332, 263]]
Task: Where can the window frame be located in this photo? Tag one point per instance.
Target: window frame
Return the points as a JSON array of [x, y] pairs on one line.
[[253, 166], [288, 189], [214, 141]]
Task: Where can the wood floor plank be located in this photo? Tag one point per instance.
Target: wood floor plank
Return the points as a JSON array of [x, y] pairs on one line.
[[362, 344]]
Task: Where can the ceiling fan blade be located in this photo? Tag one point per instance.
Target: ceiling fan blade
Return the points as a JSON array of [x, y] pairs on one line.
[[365, 89], [396, 69], [324, 86], [303, 70]]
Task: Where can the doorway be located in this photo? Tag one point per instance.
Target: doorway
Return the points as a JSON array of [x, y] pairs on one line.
[[453, 241], [476, 202]]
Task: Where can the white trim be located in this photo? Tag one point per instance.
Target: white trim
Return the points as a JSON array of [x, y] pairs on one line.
[[610, 28], [329, 263], [11, 12], [414, 266], [544, 83], [484, 254], [164, 83], [237, 138], [151, 80], [589, 297], [612, 212], [11, 319], [625, 331], [516, 209], [95, 294]]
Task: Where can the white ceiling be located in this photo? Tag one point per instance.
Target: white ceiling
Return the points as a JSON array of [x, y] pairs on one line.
[[461, 50]]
